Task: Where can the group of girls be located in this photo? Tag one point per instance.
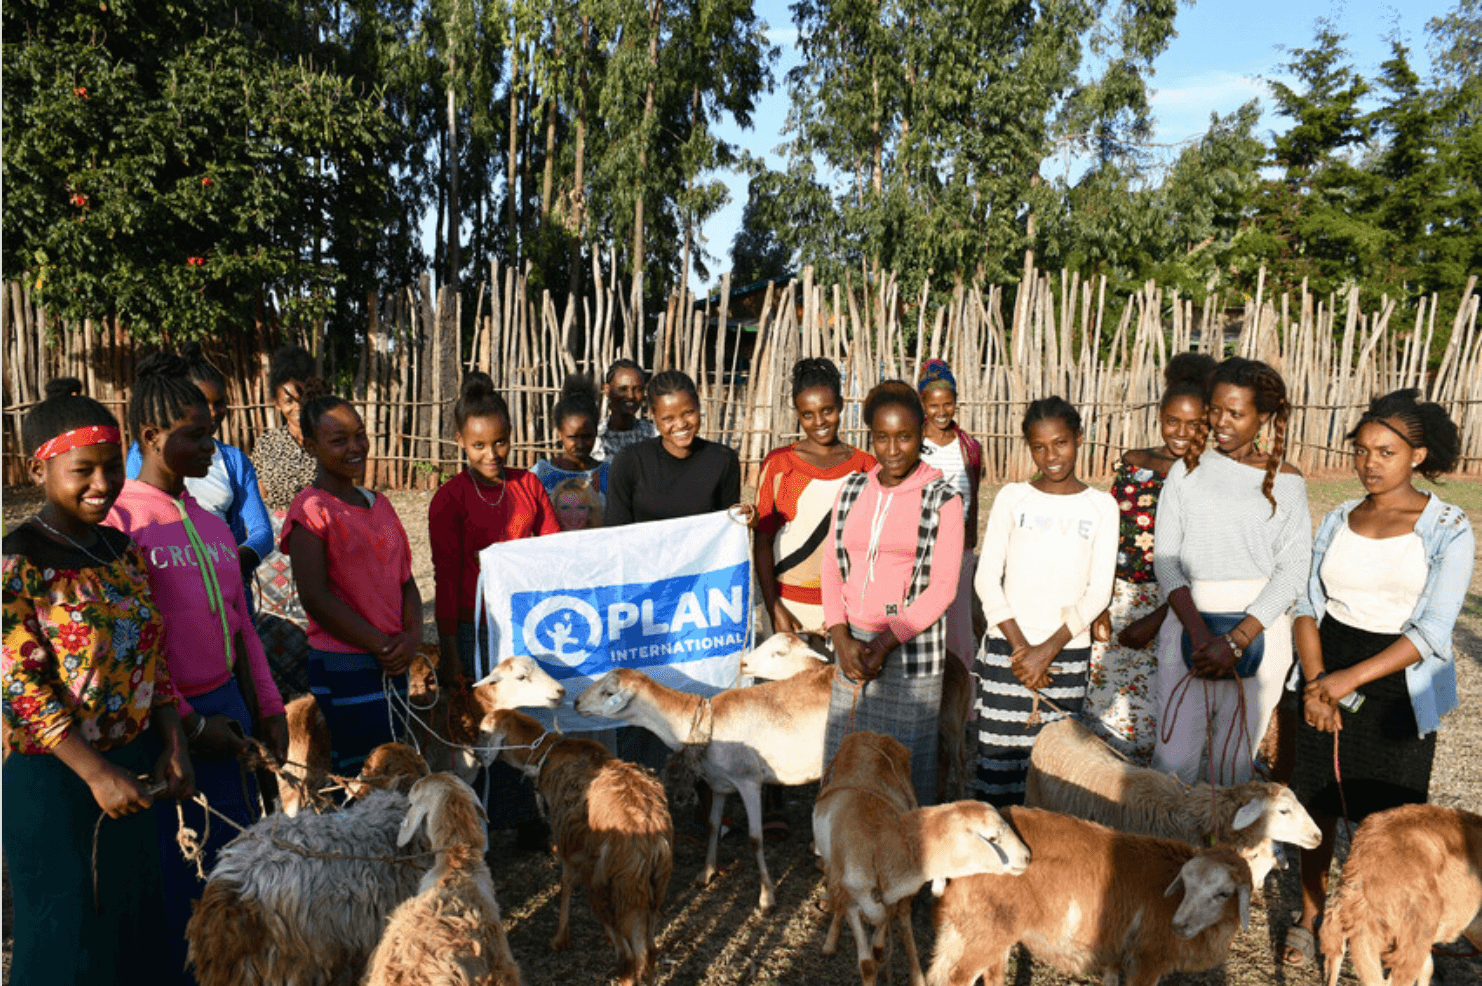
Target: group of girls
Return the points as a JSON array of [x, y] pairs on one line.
[[1199, 555]]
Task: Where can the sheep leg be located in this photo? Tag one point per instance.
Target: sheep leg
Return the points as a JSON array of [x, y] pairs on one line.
[[562, 937], [751, 797], [1363, 952], [712, 847], [880, 948], [831, 940], [869, 963], [903, 914]]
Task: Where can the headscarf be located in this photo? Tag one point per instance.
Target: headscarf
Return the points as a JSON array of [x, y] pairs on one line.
[[936, 372]]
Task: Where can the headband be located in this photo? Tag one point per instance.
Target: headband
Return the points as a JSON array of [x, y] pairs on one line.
[[935, 372], [1381, 421], [78, 438]]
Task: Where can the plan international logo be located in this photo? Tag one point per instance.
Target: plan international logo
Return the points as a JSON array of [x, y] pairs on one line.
[[578, 632]]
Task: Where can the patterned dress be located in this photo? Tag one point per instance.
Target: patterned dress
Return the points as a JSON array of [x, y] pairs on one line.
[[283, 469], [1122, 697]]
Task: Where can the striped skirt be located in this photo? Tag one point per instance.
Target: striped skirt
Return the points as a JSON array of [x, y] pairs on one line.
[[351, 694], [1004, 707]]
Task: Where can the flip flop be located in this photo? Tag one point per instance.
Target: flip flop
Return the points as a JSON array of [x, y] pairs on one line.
[[775, 829], [1300, 941]]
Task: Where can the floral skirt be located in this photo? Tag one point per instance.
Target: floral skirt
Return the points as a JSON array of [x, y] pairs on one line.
[[281, 620], [1122, 697]]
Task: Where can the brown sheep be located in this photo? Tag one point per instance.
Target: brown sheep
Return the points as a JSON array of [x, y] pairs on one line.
[[1413, 878], [612, 830], [1093, 902]]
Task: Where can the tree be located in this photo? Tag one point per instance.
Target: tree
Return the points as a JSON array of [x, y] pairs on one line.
[[757, 254], [172, 163]]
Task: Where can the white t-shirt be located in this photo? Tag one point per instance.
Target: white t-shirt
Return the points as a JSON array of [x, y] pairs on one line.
[[1373, 584], [1048, 561], [948, 458]]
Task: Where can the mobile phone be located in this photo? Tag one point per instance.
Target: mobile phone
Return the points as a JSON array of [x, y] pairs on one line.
[[1351, 702]]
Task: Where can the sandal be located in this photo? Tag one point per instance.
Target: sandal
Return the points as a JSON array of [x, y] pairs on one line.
[[1299, 942], [775, 829]]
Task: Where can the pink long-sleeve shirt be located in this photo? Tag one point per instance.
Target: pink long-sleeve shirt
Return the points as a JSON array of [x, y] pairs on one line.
[[195, 647], [866, 601]]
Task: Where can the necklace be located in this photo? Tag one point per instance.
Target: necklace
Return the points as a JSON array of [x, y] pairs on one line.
[[479, 493], [100, 561]]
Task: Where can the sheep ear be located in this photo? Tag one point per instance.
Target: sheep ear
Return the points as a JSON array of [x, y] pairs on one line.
[[409, 825], [1176, 887], [615, 701], [1244, 892], [1249, 813]]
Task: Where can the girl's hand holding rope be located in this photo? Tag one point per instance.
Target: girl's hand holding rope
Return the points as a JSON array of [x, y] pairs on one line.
[[275, 730], [1214, 659], [1321, 715], [396, 655], [220, 737]]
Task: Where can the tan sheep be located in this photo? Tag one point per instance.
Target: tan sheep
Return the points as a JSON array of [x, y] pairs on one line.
[[1093, 902], [878, 847], [450, 933], [1071, 770], [308, 757], [612, 831], [1413, 878]]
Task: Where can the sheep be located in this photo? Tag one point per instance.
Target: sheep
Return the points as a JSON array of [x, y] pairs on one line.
[[308, 756], [301, 900], [1071, 770], [1129, 908], [611, 825], [785, 654], [770, 733], [1413, 878], [445, 724], [450, 933], [389, 767], [878, 847]]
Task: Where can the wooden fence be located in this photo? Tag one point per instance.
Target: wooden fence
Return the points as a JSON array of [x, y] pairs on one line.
[[1062, 335]]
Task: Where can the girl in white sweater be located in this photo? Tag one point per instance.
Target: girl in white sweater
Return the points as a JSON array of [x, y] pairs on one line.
[[1048, 562]]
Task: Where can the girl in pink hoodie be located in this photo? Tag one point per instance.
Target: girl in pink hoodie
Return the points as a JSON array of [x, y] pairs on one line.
[[889, 575]]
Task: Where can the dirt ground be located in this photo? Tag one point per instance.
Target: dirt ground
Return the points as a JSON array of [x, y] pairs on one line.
[[713, 936]]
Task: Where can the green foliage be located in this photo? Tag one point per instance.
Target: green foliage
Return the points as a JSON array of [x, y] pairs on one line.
[[172, 162], [757, 254]]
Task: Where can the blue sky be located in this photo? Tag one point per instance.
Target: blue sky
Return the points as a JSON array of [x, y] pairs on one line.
[[1214, 65]]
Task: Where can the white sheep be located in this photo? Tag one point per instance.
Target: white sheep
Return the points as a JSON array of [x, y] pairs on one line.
[[1071, 770], [450, 933], [770, 733], [783, 655], [878, 848], [1413, 878], [1093, 902], [302, 900], [611, 827]]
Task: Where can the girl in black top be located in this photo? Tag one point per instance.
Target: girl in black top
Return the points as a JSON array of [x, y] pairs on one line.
[[678, 474]]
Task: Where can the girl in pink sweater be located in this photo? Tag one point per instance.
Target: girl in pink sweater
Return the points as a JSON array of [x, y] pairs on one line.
[[889, 575], [212, 650]]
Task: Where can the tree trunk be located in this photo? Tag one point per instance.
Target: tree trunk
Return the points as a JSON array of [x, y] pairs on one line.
[[655, 19], [514, 152], [455, 259], [578, 202], [548, 180]]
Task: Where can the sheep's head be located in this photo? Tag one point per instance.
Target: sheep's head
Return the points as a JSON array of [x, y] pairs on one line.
[[1262, 858], [449, 809], [610, 696], [969, 837], [518, 683], [1208, 881], [781, 655], [391, 767], [504, 728], [1280, 816]]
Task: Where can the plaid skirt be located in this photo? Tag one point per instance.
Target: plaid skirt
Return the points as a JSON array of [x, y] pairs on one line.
[[906, 708]]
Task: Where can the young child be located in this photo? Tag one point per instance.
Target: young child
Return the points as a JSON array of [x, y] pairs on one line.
[[196, 584], [578, 507], [229, 489], [575, 417], [624, 389], [958, 455], [84, 678], [487, 503], [353, 566], [1049, 559]]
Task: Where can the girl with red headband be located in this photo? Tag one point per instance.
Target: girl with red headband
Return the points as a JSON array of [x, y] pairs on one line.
[[84, 679]]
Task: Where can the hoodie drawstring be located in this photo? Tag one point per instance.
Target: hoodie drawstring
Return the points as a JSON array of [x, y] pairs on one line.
[[208, 575], [877, 528]]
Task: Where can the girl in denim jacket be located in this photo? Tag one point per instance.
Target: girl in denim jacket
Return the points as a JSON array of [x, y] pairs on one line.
[[1373, 633]]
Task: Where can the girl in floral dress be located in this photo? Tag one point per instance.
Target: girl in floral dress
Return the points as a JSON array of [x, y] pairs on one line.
[[84, 681], [1122, 697]]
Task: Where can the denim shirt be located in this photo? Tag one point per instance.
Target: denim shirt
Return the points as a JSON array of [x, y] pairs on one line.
[[1450, 548]]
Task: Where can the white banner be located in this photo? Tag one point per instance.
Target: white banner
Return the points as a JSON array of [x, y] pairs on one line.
[[671, 598]]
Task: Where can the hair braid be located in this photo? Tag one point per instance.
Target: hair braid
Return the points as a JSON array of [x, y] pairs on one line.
[[1271, 393]]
